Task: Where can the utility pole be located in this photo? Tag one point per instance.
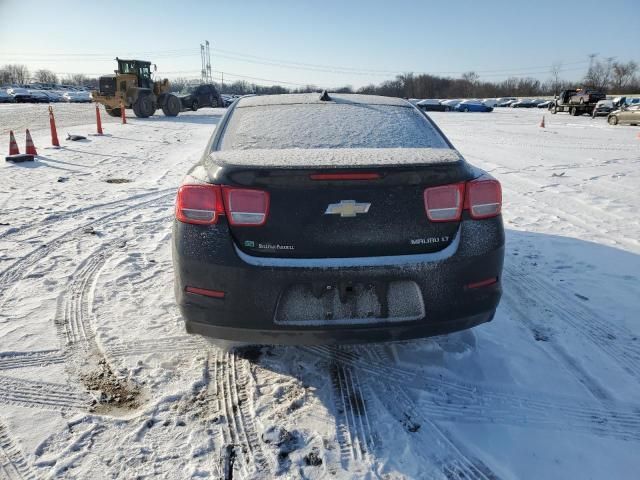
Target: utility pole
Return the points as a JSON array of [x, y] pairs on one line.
[[203, 72], [209, 77]]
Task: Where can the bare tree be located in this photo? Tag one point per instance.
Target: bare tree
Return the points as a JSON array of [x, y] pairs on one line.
[[622, 74], [14, 73], [599, 73], [45, 76], [471, 79]]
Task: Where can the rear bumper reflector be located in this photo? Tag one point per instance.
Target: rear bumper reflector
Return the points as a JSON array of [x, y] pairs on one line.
[[205, 292], [483, 283]]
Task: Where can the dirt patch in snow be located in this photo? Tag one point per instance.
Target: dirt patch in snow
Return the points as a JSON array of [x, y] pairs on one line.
[[110, 391], [118, 180]]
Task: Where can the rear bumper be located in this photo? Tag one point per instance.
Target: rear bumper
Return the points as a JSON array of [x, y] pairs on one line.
[[206, 257], [342, 336]]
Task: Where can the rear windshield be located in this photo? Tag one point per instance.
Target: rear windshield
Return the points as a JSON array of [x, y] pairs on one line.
[[342, 125]]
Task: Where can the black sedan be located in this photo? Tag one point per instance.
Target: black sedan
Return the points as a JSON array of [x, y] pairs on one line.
[[201, 96], [526, 103], [432, 106], [334, 219]]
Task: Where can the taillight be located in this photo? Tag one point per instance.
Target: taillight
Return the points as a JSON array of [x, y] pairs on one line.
[[199, 204], [246, 207], [444, 203], [484, 198]]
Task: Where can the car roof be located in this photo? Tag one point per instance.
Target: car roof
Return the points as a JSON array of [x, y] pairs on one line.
[[314, 98]]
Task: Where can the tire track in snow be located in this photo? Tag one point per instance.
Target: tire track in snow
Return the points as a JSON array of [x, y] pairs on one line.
[[33, 394], [10, 276], [590, 383], [615, 341], [13, 465], [453, 400], [355, 436], [13, 360], [440, 448], [240, 433], [60, 217], [177, 344], [74, 327]]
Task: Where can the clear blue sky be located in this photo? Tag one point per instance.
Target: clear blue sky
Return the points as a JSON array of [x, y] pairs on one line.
[[340, 42]]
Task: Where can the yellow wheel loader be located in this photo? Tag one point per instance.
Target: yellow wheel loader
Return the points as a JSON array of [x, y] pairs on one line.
[[133, 87]]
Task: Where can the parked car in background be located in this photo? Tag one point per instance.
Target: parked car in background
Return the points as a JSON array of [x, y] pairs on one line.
[[630, 115], [451, 103], [472, 106], [334, 219], [524, 103], [77, 96], [5, 97], [490, 102], [505, 101], [544, 104], [38, 96], [431, 105], [19, 94], [55, 96], [199, 96], [603, 108]]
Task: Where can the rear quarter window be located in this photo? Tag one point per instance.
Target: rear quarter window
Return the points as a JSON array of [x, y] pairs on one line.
[[341, 125]]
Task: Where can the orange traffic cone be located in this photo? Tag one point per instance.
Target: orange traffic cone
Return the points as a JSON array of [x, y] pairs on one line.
[[13, 145], [98, 121], [123, 112], [54, 132], [30, 148], [542, 122]]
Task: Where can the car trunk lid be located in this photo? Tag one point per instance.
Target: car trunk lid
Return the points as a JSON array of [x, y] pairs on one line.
[[319, 208]]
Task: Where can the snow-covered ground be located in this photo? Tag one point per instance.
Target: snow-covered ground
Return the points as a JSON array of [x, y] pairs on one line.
[[99, 380]]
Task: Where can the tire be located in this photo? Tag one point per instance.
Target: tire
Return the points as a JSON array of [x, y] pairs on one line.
[[581, 100], [573, 111], [553, 109], [465, 109], [171, 106], [194, 105], [143, 106], [613, 120], [214, 103], [113, 112]]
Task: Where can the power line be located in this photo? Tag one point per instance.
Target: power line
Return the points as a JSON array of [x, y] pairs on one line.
[[293, 65]]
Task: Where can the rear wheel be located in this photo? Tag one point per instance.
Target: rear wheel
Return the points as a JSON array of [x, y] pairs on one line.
[[113, 112], [465, 109], [143, 106], [574, 111], [613, 120], [553, 109], [194, 105], [171, 106]]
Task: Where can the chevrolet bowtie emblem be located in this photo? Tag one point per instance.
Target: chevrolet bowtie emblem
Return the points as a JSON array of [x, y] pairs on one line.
[[347, 208]]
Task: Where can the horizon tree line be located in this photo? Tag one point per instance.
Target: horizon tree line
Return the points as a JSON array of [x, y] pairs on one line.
[[606, 75]]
